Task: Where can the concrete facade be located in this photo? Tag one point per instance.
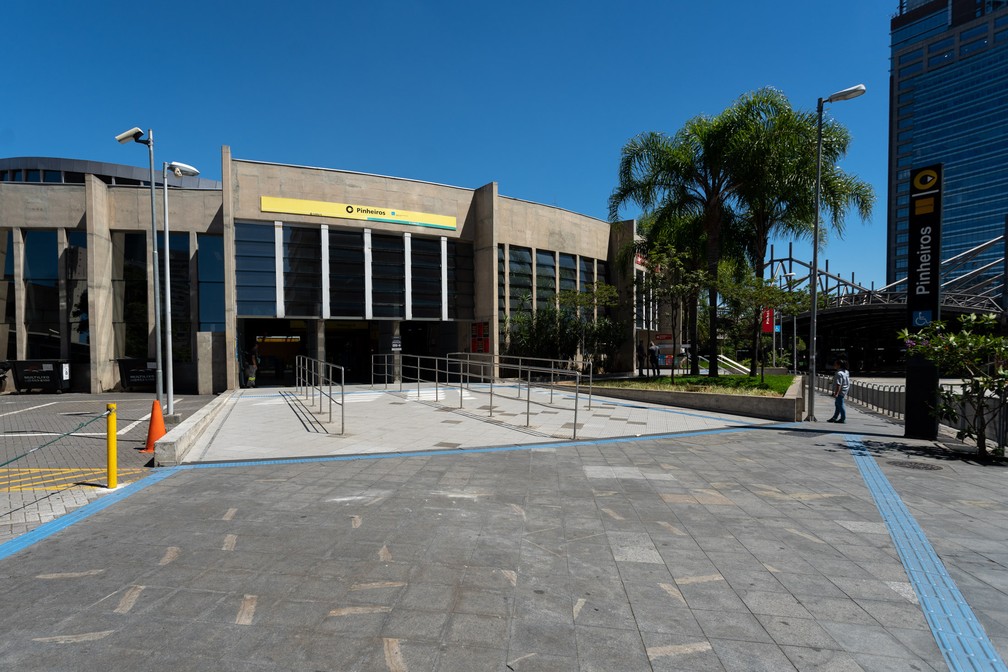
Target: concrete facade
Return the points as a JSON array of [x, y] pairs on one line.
[[107, 213]]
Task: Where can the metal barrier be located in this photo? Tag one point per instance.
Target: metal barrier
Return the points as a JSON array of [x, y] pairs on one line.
[[461, 370], [890, 400], [314, 374]]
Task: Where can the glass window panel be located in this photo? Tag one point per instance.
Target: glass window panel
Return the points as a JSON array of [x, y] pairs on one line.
[[51, 176], [520, 278], [461, 304], [255, 269], [180, 287], [911, 56], [302, 269], [33, 175], [210, 276], [346, 273], [545, 278], [972, 47], [388, 277], [568, 272], [129, 286], [77, 323], [425, 260]]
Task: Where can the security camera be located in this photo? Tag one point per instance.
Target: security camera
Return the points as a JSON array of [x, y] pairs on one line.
[[129, 135]]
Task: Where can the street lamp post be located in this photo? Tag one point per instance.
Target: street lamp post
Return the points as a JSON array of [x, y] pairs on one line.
[[135, 134], [179, 169], [845, 94]]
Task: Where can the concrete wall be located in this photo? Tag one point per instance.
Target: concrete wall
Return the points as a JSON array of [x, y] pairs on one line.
[[545, 227]]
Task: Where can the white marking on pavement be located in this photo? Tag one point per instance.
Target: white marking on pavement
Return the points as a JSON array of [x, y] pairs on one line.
[[541, 548], [677, 650], [25, 410], [516, 660], [771, 569], [355, 522], [672, 591], [133, 424], [672, 528], [384, 554], [73, 639], [612, 514], [393, 656], [625, 472], [863, 526], [128, 600], [70, 575], [804, 535], [354, 611], [577, 607], [519, 510], [707, 578], [375, 585], [905, 589], [473, 496], [246, 611], [229, 542], [230, 514], [511, 576], [170, 554]]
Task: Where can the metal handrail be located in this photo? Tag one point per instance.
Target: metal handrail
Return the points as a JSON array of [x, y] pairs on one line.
[[440, 371], [315, 374]]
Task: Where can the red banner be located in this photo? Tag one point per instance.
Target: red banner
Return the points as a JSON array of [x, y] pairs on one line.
[[768, 320]]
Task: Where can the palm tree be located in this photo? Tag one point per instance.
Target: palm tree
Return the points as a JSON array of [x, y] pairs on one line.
[[686, 178], [776, 169]]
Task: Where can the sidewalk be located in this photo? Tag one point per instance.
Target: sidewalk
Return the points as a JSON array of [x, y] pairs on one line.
[[706, 543]]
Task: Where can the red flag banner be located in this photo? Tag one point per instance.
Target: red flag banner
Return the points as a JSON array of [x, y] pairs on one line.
[[768, 320]]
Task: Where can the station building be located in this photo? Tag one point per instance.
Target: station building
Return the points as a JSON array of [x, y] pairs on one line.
[[333, 264]]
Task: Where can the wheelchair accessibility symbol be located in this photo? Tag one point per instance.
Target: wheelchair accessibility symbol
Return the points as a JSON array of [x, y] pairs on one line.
[[921, 318]]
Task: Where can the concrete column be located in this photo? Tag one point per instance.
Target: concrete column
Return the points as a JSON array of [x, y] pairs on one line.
[[230, 286], [320, 345], [101, 297], [408, 274], [485, 261], [5, 294], [193, 290], [20, 331]]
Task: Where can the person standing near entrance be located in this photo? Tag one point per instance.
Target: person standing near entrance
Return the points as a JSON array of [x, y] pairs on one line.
[[641, 357], [841, 385], [653, 359]]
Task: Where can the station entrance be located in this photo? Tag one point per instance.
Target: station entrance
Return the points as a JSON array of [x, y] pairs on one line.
[[274, 344]]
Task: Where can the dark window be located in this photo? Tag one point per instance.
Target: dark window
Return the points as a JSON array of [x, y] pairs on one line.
[[388, 283], [210, 273], [41, 278], [15, 175], [78, 325], [545, 279], [520, 278], [180, 287], [460, 281], [255, 269], [129, 287], [568, 272], [8, 333], [302, 251], [33, 175], [346, 273], [51, 176], [73, 178], [501, 288], [425, 262]]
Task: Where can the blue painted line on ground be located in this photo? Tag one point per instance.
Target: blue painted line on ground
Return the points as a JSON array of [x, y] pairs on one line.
[[491, 449], [50, 528], [960, 636]]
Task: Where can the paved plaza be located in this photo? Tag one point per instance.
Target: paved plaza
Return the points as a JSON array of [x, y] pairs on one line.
[[426, 537]]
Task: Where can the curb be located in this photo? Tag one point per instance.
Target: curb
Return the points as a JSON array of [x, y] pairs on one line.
[[171, 449]]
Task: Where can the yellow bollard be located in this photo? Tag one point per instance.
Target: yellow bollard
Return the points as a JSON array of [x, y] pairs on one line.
[[110, 445]]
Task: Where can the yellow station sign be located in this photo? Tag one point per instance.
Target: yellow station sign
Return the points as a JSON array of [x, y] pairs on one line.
[[369, 213]]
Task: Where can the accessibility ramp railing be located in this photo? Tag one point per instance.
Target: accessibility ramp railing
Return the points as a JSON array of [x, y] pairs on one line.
[[316, 376]]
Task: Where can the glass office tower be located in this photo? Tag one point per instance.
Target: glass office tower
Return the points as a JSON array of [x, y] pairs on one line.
[[948, 103]]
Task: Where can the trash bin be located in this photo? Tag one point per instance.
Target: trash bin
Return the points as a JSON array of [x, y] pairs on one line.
[[45, 375], [137, 374]]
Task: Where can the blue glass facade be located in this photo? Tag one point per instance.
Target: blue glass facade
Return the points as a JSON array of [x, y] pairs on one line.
[[948, 105]]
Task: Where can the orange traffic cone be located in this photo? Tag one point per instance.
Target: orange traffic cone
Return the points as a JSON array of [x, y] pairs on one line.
[[156, 429]]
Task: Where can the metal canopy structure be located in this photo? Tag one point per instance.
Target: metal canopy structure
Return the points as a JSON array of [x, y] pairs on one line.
[[862, 322]]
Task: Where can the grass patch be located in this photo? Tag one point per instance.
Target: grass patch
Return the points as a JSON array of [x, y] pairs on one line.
[[773, 386]]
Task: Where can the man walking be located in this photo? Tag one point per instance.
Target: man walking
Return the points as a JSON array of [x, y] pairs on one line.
[[841, 385]]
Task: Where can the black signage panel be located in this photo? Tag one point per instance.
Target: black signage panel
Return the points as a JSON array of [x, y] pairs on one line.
[[923, 297], [924, 252]]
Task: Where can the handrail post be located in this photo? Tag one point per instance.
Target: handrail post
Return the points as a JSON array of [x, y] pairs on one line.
[[418, 377], [577, 393], [111, 453], [491, 393], [330, 393], [342, 387], [591, 367], [528, 397]]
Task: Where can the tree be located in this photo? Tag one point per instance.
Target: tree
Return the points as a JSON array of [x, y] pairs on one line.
[[684, 179], [776, 173], [978, 355]]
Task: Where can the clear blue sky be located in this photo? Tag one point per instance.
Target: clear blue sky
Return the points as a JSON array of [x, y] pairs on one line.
[[537, 96]]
